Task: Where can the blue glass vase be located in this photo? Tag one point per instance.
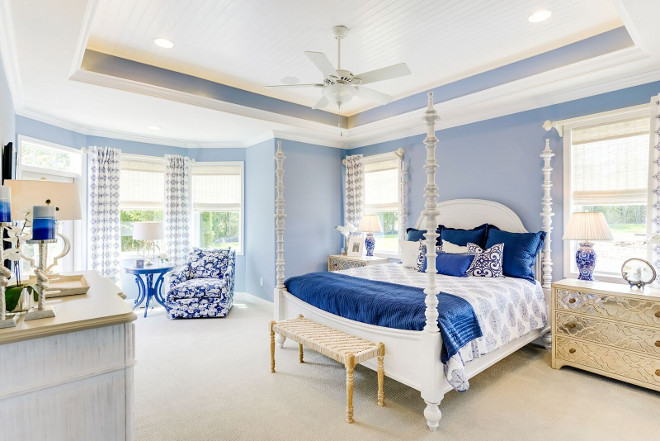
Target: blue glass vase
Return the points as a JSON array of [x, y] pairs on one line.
[[370, 244], [586, 261]]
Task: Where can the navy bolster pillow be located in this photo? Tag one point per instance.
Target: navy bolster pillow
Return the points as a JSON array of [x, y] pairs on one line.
[[520, 251], [452, 264], [462, 237]]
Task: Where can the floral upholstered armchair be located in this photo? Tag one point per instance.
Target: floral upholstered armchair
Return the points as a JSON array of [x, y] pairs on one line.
[[204, 287]]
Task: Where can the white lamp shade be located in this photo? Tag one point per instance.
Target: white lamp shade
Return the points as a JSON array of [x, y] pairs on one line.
[[25, 194], [148, 231], [370, 224], [587, 226]]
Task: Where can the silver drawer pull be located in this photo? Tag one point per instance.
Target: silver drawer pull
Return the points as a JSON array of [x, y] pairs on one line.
[[572, 351], [573, 301]]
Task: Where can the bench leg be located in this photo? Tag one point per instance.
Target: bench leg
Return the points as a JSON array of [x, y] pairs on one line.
[[350, 366], [381, 374], [300, 352], [272, 348]]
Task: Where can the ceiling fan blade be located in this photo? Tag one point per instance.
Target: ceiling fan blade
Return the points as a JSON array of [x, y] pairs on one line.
[[373, 95], [321, 103], [297, 85], [322, 62], [386, 73]]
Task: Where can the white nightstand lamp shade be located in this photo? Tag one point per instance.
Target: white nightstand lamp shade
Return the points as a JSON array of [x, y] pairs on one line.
[[148, 232], [587, 227], [370, 223]]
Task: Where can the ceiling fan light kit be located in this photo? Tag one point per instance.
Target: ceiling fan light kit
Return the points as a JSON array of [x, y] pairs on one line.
[[340, 85]]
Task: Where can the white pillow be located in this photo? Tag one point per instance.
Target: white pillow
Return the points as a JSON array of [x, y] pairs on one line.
[[452, 248], [409, 253]]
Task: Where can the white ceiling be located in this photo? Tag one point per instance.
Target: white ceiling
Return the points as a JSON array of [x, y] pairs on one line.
[[251, 44]]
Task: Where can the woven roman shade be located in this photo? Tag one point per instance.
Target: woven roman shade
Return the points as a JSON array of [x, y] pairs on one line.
[[610, 163]]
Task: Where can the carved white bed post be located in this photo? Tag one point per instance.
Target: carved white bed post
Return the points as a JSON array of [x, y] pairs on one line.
[[279, 227], [547, 214], [433, 374]]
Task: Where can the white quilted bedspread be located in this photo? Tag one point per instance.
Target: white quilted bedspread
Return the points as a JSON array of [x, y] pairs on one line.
[[507, 308]]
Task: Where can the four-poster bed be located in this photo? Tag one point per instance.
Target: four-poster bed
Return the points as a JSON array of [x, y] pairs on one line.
[[414, 357]]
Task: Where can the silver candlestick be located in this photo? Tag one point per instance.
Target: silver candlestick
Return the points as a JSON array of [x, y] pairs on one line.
[[40, 311], [5, 274]]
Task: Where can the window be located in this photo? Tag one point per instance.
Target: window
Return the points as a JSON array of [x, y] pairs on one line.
[[381, 197], [608, 172], [141, 196], [217, 202], [37, 160]]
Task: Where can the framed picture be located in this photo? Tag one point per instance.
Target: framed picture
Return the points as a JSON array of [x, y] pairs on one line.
[[355, 246]]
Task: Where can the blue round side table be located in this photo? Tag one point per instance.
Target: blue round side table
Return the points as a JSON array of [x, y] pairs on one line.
[[148, 288]]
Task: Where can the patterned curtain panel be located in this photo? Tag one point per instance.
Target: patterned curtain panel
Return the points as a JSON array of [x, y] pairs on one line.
[[103, 231], [354, 203], [654, 193], [177, 215]]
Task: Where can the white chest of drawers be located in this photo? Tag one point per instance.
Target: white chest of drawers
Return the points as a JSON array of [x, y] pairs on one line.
[[608, 329]]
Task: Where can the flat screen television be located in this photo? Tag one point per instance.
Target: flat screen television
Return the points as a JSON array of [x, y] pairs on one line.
[[8, 172]]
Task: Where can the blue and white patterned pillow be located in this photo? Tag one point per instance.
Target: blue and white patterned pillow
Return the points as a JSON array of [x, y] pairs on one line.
[[486, 263]]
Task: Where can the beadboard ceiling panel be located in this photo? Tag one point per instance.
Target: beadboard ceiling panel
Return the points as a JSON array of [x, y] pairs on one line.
[[251, 44]]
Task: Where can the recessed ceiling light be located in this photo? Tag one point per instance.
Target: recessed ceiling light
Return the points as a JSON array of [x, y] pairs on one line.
[[163, 42], [153, 128], [540, 16]]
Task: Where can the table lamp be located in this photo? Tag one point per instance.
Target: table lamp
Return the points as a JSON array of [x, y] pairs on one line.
[[64, 196], [149, 232], [370, 223], [587, 226]]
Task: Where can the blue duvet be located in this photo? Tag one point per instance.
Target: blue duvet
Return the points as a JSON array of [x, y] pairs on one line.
[[388, 305]]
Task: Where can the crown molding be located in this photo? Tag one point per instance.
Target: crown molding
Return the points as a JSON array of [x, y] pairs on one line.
[[522, 95], [125, 136], [83, 37], [8, 55]]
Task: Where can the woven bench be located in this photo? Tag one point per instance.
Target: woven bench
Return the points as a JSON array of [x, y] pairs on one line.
[[344, 348]]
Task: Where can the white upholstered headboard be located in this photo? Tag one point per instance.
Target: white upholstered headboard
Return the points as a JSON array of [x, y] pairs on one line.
[[469, 213]]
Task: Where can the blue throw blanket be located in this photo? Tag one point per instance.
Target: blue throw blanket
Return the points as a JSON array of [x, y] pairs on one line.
[[388, 305]]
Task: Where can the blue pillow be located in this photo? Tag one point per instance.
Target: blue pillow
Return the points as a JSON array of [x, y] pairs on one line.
[[452, 264], [415, 235], [520, 251], [462, 237]]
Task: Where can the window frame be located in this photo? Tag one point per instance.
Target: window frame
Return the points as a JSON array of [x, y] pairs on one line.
[[76, 259], [140, 158], [194, 231], [640, 111], [381, 157]]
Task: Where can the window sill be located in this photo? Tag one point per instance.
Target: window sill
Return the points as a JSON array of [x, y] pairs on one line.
[[388, 255], [611, 278]]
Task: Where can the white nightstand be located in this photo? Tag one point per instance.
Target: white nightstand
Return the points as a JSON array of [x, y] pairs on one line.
[[338, 262], [608, 329]]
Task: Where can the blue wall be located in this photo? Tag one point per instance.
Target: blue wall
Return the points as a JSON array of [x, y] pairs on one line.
[[498, 159], [313, 198], [47, 132], [259, 220], [7, 114]]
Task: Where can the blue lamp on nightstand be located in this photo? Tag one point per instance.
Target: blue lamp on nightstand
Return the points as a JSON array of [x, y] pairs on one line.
[[587, 226], [370, 223]]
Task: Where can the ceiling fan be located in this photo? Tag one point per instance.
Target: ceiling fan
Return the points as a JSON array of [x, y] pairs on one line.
[[340, 86]]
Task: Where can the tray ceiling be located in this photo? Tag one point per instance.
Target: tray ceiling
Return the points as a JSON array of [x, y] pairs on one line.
[[251, 44]]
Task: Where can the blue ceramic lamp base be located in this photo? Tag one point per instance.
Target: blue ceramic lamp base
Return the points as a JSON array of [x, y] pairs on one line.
[[586, 261], [370, 244]]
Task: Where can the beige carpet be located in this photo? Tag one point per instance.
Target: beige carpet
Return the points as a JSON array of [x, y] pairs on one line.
[[209, 380]]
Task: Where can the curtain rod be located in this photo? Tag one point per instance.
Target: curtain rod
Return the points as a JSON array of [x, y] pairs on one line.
[[398, 152]]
